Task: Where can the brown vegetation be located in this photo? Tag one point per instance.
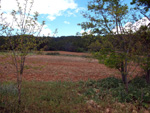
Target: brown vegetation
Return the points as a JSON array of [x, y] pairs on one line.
[[55, 68]]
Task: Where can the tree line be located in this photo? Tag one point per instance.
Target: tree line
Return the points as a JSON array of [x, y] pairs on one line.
[[63, 43]]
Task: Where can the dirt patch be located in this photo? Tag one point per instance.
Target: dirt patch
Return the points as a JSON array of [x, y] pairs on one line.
[[55, 68]]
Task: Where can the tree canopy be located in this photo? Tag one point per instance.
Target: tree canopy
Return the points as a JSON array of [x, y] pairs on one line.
[[105, 15]]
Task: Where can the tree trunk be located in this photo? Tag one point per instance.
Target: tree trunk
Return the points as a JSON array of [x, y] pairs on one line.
[[124, 75], [125, 81], [122, 72], [148, 76], [19, 92], [19, 88], [148, 70]]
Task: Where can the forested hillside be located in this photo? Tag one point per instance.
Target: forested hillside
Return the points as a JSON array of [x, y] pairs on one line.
[[63, 43]]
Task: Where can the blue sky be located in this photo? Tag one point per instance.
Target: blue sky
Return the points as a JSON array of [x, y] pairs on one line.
[[67, 22], [63, 15]]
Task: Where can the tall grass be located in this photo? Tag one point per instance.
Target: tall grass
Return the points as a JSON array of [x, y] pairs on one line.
[[66, 97]]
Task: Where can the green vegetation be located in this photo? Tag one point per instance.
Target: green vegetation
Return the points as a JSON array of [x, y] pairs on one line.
[[122, 49], [70, 55], [42, 97], [119, 47], [20, 40], [63, 43], [53, 53], [73, 97], [138, 94]]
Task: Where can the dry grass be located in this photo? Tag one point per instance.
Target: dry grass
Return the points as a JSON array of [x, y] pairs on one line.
[[54, 68]]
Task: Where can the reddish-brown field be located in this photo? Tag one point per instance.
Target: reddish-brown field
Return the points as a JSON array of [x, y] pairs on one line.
[[54, 68]]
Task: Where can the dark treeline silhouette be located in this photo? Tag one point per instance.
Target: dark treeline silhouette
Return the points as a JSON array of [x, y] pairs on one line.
[[63, 43]]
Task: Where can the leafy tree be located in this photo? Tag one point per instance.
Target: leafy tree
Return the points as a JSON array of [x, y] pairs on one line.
[[19, 36], [143, 36], [106, 17], [95, 46], [143, 6], [2, 42]]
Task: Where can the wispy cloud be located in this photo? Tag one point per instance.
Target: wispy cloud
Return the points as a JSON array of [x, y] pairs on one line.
[[51, 17], [80, 9], [66, 22], [70, 13]]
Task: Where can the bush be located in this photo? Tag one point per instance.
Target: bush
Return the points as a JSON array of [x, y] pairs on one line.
[[53, 53], [80, 49], [138, 90], [39, 53], [139, 82], [110, 82], [139, 95]]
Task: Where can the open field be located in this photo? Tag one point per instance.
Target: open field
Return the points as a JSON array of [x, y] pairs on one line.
[[47, 86], [58, 67]]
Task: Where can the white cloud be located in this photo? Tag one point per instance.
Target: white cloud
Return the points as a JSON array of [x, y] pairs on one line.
[[133, 26], [52, 8], [69, 13], [51, 17], [49, 9], [46, 31], [80, 9], [74, 12], [142, 22], [66, 22], [87, 32], [9, 21]]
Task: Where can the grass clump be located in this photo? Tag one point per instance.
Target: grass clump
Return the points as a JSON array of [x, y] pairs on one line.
[[38, 97], [10, 89]]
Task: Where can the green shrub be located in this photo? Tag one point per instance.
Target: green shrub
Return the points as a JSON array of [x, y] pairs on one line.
[[134, 94], [80, 49], [39, 53], [139, 82], [138, 90], [110, 82]]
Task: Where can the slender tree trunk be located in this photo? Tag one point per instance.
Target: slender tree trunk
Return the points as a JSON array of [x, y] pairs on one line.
[[124, 75], [20, 78], [148, 71], [125, 71], [19, 93], [126, 84], [148, 76], [19, 82], [122, 72]]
